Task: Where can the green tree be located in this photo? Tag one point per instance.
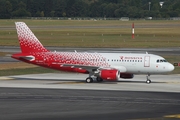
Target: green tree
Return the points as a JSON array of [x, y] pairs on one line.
[[42, 14], [2, 9], [48, 6], [64, 14], [95, 10], [21, 11], [60, 7], [89, 8], [52, 13], [121, 11], [110, 9], [8, 9]]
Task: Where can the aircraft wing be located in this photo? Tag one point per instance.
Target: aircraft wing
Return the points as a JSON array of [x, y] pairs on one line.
[[88, 68]]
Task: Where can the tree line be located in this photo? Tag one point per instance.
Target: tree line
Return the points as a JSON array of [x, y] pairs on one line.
[[89, 8]]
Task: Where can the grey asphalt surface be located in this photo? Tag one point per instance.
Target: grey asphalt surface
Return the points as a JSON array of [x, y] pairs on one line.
[[66, 96], [63, 104]]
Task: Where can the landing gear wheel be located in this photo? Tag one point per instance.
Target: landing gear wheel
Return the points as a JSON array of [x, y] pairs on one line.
[[89, 80], [148, 81], [99, 79]]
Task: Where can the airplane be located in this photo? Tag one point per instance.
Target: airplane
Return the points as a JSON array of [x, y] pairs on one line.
[[99, 66]]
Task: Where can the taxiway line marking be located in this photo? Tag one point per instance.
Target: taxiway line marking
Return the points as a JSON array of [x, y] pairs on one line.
[[6, 78]]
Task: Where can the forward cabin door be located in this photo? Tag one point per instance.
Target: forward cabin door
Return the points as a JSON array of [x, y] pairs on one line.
[[147, 61]]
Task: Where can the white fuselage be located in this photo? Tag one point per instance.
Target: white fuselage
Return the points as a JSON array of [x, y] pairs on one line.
[[138, 63], [124, 62]]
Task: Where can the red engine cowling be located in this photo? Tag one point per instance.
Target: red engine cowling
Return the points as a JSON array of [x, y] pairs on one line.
[[110, 74], [126, 75]]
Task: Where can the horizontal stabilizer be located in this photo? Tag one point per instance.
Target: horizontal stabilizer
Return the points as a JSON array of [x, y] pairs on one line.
[[24, 57], [30, 58]]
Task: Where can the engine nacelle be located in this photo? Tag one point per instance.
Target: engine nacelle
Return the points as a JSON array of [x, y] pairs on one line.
[[126, 75], [109, 74]]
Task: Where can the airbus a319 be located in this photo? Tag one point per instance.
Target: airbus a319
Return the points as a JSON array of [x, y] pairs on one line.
[[99, 66]]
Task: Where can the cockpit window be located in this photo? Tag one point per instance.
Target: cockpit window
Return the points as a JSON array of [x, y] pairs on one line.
[[161, 60], [165, 60]]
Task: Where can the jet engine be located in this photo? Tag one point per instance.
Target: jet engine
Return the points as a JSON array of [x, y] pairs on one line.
[[109, 74], [126, 75]]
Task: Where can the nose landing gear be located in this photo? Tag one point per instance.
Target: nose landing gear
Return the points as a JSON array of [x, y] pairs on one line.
[[148, 81]]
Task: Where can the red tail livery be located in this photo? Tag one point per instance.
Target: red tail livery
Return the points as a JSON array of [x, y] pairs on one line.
[[27, 40]]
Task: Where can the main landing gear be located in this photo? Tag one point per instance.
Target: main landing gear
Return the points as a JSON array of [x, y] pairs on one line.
[[90, 79], [148, 81]]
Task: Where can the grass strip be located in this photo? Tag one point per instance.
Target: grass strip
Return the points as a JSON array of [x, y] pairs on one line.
[[16, 65], [23, 71], [148, 34]]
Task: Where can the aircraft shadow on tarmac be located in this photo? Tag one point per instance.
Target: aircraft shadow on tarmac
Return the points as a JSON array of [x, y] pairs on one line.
[[82, 81]]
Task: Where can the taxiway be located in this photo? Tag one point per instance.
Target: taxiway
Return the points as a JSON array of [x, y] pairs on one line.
[[66, 96], [160, 83]]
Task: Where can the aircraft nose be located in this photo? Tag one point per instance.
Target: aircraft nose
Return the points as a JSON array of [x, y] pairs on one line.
[[171, 67]]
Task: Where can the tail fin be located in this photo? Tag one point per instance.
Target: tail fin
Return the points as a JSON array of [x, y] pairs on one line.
[[27, 40]]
